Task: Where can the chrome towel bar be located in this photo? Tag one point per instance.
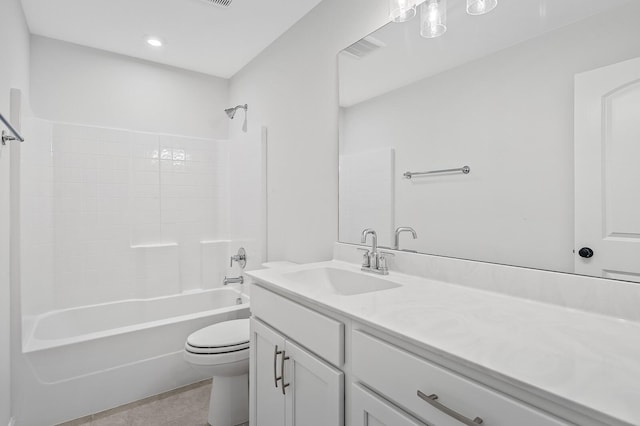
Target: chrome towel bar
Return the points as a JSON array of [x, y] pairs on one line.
[[466, 170], [5, 136]]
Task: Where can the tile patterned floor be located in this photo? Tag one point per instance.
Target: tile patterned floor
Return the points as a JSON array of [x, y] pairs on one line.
[[186, 406]]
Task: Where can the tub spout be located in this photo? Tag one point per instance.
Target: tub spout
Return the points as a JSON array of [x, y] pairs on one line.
[[233, 280]]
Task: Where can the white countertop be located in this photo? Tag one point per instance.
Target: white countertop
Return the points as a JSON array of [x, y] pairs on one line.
[[577, 358]]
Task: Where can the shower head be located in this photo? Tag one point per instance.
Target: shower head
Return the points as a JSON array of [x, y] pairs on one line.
[[231, 112]]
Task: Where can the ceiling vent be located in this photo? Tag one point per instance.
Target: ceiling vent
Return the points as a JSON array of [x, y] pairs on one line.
[[364, 47], [220, 3]]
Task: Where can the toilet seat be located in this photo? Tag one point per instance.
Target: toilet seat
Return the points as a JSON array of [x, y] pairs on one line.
[[215, 350], [226, 337]]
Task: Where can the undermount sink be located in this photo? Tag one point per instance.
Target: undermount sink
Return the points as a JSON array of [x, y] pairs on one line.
[[339, 281]]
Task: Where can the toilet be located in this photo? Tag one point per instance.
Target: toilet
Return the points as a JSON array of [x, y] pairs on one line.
[[222, 351]]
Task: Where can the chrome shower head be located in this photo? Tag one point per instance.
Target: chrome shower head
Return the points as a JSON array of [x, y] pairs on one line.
[[231, 112]]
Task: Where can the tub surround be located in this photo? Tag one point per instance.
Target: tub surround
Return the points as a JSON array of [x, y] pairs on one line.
[[111, 214], [531, 334]]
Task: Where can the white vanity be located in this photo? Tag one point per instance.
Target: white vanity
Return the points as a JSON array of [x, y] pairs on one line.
[[448, 343]]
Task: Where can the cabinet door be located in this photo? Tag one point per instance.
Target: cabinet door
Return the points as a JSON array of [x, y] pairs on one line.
[[266, 398], [367, 409], [315, 391]]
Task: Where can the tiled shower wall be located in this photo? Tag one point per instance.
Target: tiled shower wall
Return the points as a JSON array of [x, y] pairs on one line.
[[112, 214]]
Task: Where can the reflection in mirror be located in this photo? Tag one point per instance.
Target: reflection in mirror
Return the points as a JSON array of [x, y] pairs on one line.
[[508, 94]]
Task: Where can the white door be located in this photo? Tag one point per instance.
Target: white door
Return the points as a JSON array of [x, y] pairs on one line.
[[315, 391], [368, 409], [607, 171], [266, 397]]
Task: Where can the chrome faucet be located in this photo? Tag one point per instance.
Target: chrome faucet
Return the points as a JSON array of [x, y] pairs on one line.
[[374, 239], [396, 240], [373, 261], [233, 280]]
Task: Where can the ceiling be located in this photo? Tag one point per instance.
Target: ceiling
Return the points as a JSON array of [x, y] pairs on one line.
[[198, 36], [407, 57]]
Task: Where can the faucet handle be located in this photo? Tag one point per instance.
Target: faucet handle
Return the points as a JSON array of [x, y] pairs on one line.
[[365, 257], [241, 258], [382, 261], [382, 264]]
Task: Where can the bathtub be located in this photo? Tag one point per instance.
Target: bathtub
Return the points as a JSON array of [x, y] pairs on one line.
[[105, 355]]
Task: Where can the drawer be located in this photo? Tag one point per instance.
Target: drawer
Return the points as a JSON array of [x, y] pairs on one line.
[[399, 375], [320, 334], [368, 409]]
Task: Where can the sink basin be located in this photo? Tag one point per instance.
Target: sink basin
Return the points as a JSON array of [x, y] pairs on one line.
[[339, 281]]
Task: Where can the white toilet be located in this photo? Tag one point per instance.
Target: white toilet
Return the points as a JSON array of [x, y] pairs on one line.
[[222, 351]]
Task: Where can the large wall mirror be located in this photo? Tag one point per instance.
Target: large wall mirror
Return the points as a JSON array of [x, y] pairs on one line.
[[539, 98]]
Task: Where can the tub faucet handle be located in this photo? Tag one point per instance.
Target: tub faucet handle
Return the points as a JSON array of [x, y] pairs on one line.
[[241, 258]]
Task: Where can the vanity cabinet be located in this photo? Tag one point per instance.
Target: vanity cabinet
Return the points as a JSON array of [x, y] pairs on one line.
[[298, 374], [289, 384]]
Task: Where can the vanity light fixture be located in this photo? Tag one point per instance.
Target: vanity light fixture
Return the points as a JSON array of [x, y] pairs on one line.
[[154, 42], [433, 13], [480, 7], [402, 10], [433, 18]]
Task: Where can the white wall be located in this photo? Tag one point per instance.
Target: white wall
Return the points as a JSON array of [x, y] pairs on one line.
[[291, 88], [76, 84], [14, 73], [508, 116]]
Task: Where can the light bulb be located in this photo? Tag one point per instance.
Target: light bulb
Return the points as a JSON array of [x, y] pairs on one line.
[[433, 18], [480, 7], [402, 10], [154, 42]]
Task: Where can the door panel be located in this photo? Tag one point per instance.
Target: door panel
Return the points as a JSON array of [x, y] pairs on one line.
[[315, 396], [267, 403], [607, 175], [620, 162]]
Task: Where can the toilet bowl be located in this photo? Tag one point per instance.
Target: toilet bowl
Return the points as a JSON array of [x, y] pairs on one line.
[[222, 351]]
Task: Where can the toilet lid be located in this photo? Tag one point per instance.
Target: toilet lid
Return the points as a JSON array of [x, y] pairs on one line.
[[225, 336]]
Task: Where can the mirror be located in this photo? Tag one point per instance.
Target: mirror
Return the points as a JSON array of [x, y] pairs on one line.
[[508, 94]]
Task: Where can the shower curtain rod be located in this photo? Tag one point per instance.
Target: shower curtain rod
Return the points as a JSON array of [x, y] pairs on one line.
[[6, 137]]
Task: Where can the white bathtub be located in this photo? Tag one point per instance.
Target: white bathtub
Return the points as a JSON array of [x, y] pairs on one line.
[[102, 356]]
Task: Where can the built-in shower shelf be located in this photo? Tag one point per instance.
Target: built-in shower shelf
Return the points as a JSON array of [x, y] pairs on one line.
[[146, 246], [215, 241]]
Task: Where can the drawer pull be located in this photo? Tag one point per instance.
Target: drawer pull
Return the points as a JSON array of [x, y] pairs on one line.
[[276, 379], [282, 360], [432, 400]]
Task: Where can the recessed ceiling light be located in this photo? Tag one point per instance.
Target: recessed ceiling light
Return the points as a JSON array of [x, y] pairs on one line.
[[154, 42]]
